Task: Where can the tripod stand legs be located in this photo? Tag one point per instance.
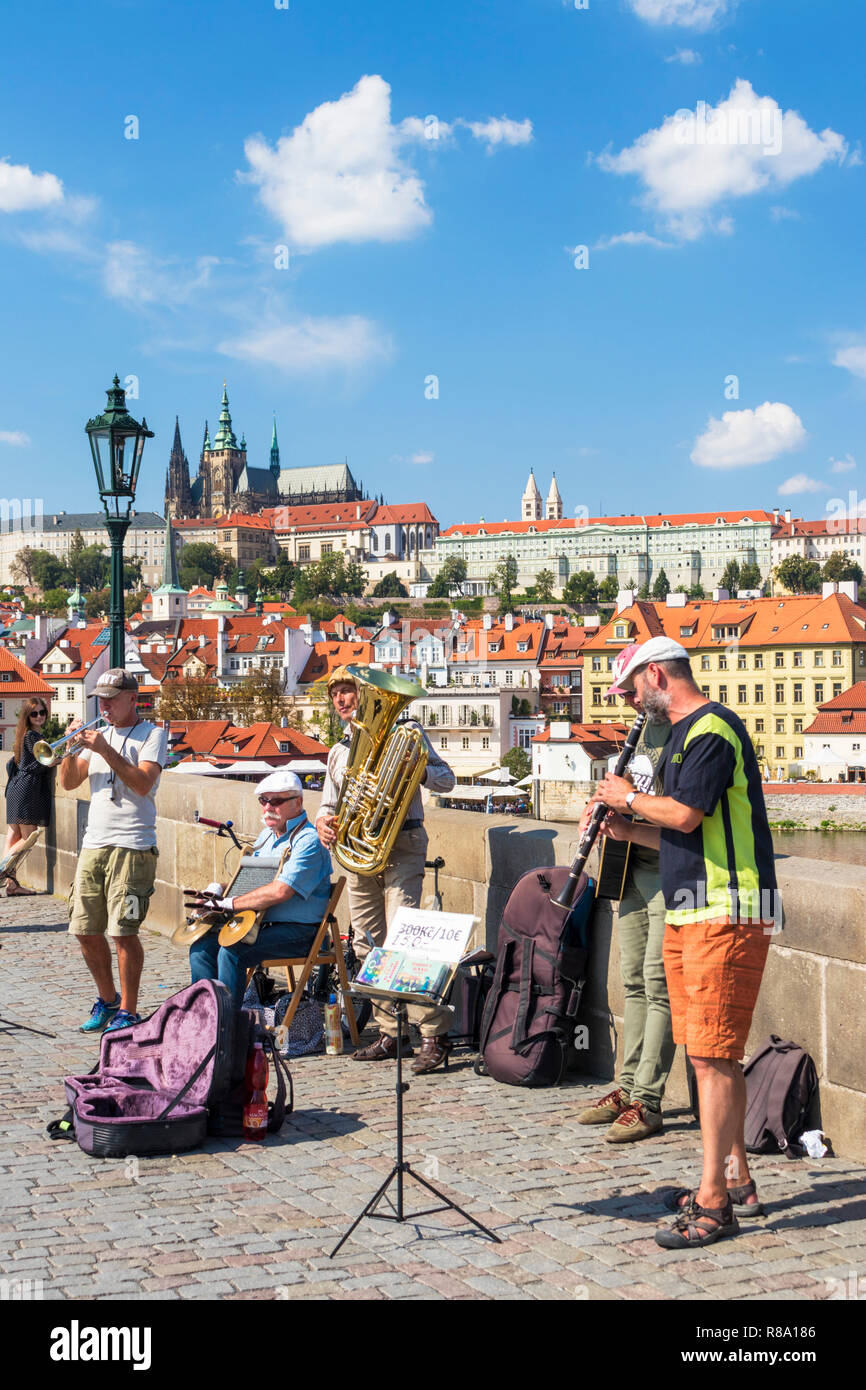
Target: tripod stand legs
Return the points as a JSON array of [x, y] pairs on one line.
[[401, 1167]]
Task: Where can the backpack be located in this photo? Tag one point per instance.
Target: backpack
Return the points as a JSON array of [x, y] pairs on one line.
[[781, 1085], [468, 996], [529, 1016], [225, 1116]]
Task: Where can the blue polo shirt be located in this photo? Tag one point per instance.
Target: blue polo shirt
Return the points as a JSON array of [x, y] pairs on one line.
[[307, 870]]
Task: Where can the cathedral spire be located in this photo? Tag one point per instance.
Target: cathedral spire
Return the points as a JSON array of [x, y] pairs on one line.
[[275, 451], [225, 436]]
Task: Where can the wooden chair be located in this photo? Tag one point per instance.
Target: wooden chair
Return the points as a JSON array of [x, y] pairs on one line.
[[319, 954]]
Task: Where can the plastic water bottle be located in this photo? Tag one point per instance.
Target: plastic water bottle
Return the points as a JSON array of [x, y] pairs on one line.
[[333, 1028]]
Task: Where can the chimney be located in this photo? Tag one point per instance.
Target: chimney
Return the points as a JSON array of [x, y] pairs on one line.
[[849, 588], [776, 515], [624, 599], [560, 729], [676, 600], [488, 621], [788, 514], [719, 595], [828, 588], [509, 622], [548, 621], [221, 645]]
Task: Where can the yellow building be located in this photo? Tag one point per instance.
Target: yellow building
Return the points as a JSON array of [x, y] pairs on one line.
[[773, 660]]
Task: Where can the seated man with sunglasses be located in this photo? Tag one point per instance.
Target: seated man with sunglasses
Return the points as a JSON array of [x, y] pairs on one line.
[[295, 900]]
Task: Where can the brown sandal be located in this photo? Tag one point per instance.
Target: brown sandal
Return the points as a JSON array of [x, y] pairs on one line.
[[690, 1230], [683, 1197]]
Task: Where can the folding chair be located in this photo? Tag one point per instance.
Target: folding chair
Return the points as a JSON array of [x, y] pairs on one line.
[[319, 954]]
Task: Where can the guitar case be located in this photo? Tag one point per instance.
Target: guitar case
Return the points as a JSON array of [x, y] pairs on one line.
[[157, 1082]]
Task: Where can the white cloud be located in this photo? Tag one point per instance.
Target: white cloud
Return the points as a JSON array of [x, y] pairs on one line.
[[844, 465], [687, 56], [629, 239], [23, 191], [499, 130], [783, 214], [691, 14], [313, 344], [853, 359], [698, 159], [420, 456], [748, 436], [338, 176], [134, 276], [17, 438], [427, 131], [800, 482]]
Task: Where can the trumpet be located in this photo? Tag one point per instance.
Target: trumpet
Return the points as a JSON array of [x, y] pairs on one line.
[[47, 753]]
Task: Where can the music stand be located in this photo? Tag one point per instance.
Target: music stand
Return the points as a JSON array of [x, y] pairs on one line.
[[401, 1167]]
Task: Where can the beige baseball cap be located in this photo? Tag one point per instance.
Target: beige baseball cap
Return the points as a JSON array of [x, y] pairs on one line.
[[656, 649]]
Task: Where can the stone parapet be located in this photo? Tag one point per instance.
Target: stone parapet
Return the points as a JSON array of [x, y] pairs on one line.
[[814, 988]]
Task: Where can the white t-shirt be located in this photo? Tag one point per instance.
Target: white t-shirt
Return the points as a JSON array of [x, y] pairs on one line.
[[119, 819]]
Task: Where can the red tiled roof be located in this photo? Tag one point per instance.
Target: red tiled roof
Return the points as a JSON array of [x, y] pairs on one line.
[[402, 515], [802, 619], [673, 519], [327, 656], [24, 681], [319, 514], [597, 740], [80, 651]]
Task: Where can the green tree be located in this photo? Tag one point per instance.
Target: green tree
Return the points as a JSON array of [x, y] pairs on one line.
[[799, 576], [22, 565], [133, 601], [661, 587], [389, 586], [697, 591], [503, 581], [354, 580], [74, 554], [190, 697], [643, 591], [97, 604], [202, 562], [581, 587], [608, 589], [519, 763], [259, 696], [544, 583], [53, 601], [750, 576], [730, 579], [328, 726], [840, 566], [48, 571], [280, 578]]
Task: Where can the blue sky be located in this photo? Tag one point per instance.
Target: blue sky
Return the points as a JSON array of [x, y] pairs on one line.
[[432, 171]]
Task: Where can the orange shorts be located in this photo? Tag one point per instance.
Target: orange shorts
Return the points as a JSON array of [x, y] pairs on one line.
[[714, 972]]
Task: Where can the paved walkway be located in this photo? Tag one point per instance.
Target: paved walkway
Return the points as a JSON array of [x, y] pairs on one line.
[[238, 1221]]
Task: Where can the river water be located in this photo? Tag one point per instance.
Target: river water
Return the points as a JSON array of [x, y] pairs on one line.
[[840, 846]]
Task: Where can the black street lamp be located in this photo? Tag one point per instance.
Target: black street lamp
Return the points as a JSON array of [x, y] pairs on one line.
[[117, 444]]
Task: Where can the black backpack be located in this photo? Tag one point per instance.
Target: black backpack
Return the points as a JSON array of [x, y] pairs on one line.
[[781, 1086], [529, 1016]]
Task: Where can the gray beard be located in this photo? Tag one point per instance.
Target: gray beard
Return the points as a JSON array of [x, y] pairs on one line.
[[656, 704]]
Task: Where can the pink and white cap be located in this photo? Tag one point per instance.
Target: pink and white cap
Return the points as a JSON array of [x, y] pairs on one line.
[[619, 667]]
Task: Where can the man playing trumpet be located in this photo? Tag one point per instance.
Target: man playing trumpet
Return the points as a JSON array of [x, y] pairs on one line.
[[117, 864], [294, 903], [374, 898]]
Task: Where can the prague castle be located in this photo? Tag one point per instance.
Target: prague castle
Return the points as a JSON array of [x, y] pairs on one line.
[[226, 483]]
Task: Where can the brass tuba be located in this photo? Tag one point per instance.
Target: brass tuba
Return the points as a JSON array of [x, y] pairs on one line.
[[385, 768]]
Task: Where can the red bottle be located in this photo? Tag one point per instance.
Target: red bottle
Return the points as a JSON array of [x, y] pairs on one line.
[[256, 1094]]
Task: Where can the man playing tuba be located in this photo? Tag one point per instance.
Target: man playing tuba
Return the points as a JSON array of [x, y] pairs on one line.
[[373, 899]]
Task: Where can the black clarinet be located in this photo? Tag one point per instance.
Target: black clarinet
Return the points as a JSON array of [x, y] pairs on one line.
[[599, 811]]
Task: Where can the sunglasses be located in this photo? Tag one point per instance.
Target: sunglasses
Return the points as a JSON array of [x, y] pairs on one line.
[[277, 800], [39, 714]]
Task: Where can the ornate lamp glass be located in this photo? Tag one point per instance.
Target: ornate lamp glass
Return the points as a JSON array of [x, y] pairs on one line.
[[117, 444]]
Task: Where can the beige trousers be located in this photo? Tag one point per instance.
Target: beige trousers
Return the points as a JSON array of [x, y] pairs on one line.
[[373, 900]]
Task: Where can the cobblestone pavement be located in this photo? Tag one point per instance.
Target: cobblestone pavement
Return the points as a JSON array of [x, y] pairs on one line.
[[239, 1221]]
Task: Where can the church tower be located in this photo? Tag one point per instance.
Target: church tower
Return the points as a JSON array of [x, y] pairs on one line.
[[275, 454], [178, 501], [225, 461], [169, 600], [531, 502], [553, 509]]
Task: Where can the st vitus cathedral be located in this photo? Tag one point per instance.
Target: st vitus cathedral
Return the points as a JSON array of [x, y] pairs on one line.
[[226, 483]]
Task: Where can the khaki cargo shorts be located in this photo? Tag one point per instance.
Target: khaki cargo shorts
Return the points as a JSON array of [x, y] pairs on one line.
[[112, 891]]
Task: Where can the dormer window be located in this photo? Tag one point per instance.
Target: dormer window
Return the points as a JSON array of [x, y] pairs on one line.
[[620, 630]]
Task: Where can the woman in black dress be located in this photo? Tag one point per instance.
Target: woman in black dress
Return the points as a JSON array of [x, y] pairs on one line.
[[29, 792]]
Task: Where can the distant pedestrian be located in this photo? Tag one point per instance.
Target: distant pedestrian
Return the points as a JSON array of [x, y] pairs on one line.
[[30, 789]]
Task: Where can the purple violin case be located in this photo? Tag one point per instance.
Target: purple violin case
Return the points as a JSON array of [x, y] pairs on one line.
[[154, 1082]]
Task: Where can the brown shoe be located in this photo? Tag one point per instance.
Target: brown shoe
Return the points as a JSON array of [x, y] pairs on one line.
[[602, 1111], [637, 1122], [384, 1049], [433, 1053]]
